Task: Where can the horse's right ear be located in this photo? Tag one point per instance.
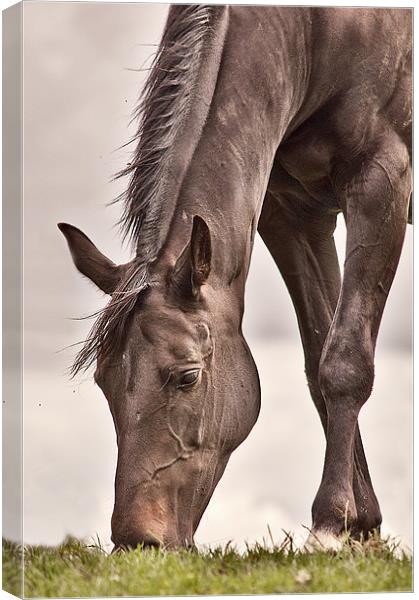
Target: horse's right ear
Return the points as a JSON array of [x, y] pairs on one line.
[[193, 266], [90, 261]]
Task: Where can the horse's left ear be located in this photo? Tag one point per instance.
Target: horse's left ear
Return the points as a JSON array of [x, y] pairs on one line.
[[193, 266], [90, 261]]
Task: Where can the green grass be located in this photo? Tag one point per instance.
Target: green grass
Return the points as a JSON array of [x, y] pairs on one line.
[[74, 569]]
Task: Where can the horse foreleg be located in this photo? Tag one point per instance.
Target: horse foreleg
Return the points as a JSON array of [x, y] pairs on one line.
[[305, 254], [375, 202]]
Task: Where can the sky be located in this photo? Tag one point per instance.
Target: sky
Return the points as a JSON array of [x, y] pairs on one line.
[[81, 82]]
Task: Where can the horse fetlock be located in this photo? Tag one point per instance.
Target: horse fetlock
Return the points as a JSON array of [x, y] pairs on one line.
[[368, 521], [368, 510], [334, 510]]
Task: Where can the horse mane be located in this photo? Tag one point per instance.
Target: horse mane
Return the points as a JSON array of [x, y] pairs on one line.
[[163, 105]]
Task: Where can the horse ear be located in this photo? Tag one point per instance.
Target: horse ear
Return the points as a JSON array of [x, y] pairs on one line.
[[193, 266], [89, 261]]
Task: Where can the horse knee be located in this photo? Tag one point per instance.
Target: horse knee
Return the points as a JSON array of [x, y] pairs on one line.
[[346, 375]]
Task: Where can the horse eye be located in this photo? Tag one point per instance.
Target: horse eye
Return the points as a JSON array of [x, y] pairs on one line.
[[189, 378]]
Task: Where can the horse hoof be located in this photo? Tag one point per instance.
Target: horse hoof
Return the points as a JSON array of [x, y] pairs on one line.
[[323, 541]]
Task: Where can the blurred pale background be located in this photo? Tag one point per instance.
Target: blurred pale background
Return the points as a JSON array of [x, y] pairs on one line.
[[80, 89]]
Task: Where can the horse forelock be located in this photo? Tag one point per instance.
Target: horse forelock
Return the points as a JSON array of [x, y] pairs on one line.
[[111, 322], [161, 110]]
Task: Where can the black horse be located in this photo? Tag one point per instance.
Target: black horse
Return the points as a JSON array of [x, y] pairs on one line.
[[268, 118]]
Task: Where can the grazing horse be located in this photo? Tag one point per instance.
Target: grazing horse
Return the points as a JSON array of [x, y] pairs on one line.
[[253, 118]]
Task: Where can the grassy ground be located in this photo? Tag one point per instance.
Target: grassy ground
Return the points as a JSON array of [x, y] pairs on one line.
[[74, 569]]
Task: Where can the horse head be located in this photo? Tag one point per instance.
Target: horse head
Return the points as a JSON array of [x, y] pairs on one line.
[[181, 385]]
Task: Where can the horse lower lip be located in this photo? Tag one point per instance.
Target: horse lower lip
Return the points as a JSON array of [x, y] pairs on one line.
[[151, 544], [127, 547]]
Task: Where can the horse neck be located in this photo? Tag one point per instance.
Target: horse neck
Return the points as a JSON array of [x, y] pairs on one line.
[[228, 170]]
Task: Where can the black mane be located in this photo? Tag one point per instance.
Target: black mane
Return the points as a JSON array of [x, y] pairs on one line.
[[162, 108]]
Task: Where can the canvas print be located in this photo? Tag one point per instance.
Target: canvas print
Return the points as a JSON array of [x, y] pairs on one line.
[[207, 241]]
